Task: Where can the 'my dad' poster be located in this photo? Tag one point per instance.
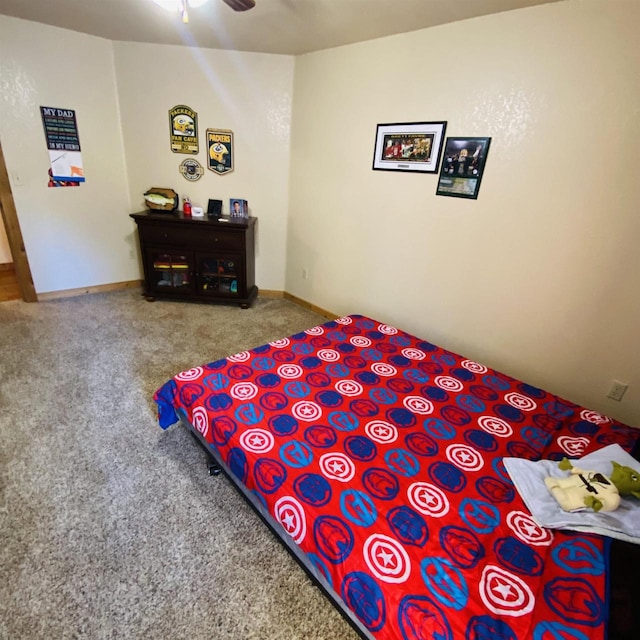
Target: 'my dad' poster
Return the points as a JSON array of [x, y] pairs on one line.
[[63, 142]]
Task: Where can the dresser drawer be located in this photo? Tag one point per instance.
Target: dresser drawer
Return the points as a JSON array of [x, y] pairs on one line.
[[191, 236]]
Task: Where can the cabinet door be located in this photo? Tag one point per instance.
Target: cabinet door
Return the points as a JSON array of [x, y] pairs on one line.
[[220, 275], [169, 271]]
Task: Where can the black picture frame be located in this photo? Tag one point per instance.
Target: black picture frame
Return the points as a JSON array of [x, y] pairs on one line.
[[414, 147], [462, 168], [214, 208]]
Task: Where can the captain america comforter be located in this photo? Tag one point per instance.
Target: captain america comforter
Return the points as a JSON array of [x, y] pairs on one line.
[[380, 454]]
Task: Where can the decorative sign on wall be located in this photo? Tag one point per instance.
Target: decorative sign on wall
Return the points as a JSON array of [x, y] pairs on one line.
[[191, 169], [462, 167], [183, 129], [63, 142], [220, 150]]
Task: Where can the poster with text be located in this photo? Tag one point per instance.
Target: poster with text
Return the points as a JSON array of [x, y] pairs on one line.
[[63, 142], [220, 147], [183, 129]]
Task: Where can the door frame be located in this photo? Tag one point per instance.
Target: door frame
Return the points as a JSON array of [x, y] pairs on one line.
[[14, 235]]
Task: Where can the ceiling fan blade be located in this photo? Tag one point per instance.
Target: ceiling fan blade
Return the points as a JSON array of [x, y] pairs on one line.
[[240, 5]]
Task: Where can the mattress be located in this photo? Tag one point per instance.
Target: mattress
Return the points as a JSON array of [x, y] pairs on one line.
[[377, 457]]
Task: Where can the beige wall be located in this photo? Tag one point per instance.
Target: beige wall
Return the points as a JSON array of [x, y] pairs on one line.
[[540, 277], [80, 236], [77, 237], [248, 93]]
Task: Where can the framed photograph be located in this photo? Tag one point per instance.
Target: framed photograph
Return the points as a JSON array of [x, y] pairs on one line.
[[238, 208], [462, 167], [409, 146]]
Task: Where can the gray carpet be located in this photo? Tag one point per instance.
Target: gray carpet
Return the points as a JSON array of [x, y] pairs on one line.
[[110, 527]]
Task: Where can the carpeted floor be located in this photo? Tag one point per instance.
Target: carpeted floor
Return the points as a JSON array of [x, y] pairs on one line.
[[110, 527]]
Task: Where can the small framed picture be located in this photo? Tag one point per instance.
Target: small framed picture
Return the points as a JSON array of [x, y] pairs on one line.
[[462, 167], [238, 208], [409, 146]]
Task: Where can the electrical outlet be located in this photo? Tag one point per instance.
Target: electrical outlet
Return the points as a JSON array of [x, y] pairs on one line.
[[617, 390], [305, 274]]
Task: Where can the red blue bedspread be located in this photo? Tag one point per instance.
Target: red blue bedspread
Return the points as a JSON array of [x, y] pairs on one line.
[[381, 455]]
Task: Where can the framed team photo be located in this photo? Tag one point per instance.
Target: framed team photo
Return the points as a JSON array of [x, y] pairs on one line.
[[462, 167], [409, 146]]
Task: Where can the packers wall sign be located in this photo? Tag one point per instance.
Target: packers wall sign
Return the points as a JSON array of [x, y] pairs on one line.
[[183, 129], [220, 150]]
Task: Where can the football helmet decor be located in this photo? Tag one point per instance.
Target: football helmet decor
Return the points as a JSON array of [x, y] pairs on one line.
[[220, 148], [183, 129]]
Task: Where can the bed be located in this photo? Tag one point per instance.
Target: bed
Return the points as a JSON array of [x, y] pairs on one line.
[[376, 457]]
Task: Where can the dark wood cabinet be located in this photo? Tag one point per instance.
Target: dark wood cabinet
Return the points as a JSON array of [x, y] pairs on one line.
[[198, 259]]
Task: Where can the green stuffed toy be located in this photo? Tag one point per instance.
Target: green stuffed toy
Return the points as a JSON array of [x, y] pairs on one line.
[[592, 489]]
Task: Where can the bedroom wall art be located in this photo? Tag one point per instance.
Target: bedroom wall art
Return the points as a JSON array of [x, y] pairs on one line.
[[462, 167], [190, 169], [220, 151], [63, 142], [183, 129], [409, 146]]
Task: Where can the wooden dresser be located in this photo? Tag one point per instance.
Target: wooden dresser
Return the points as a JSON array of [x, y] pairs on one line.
[[197, 259]]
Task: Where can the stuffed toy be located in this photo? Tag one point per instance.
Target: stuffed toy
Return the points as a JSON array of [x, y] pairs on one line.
[[592, 489]]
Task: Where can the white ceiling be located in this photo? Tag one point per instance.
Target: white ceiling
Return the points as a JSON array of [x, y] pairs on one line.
[[273, 26]]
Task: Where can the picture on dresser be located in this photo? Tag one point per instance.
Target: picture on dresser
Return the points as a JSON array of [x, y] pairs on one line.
[[238, 208]]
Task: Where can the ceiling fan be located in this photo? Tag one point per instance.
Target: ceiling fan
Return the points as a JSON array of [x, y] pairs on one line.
[[240, 5], [182, 5]]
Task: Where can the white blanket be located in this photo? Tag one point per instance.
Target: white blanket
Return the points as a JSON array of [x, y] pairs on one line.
[[528, 477]]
